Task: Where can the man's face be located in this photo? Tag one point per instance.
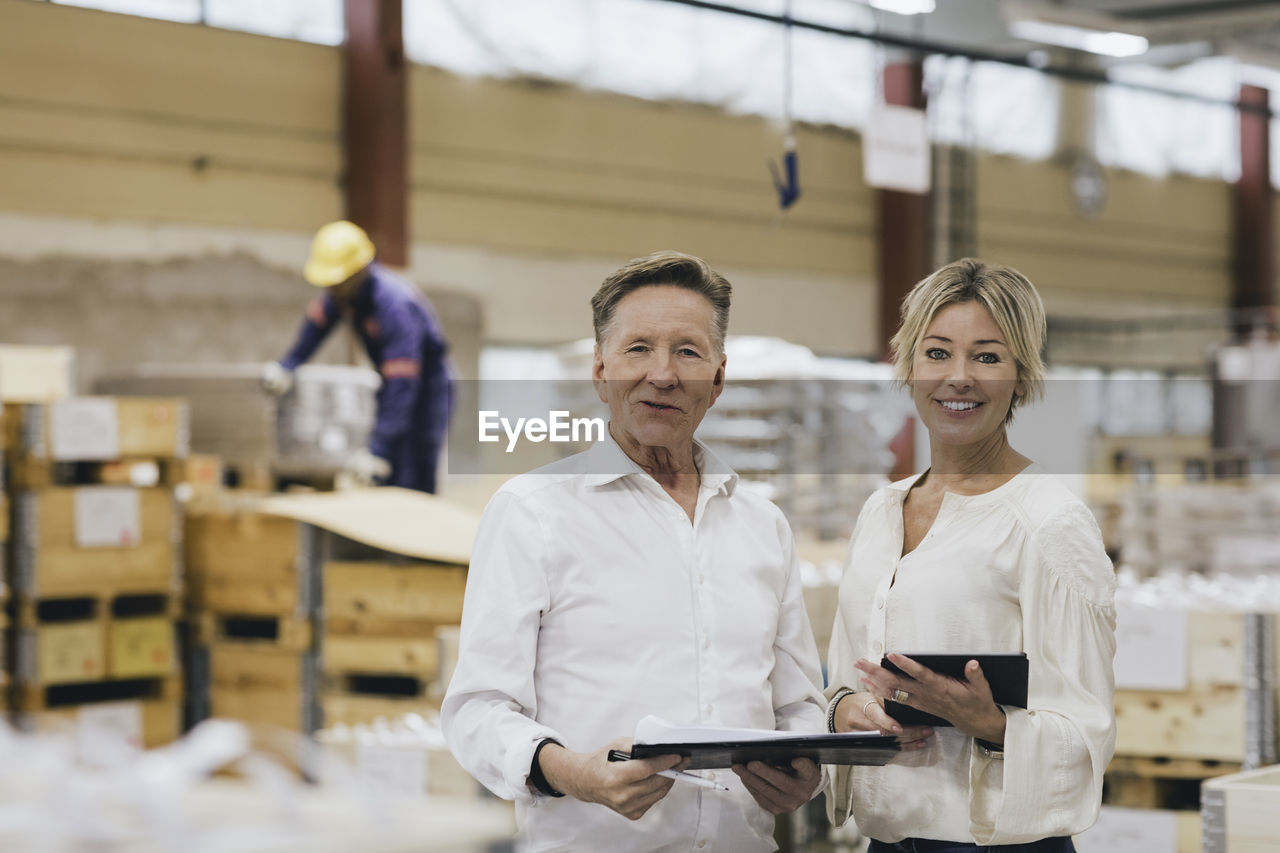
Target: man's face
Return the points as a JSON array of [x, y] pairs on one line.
[[658, 369], [346, 291]]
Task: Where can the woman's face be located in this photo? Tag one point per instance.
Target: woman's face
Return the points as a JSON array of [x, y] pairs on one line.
[[963, 376]]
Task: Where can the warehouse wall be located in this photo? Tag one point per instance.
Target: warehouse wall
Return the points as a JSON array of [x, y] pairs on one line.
[[183, 156]]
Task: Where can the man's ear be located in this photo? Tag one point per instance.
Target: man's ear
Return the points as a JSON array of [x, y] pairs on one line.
[[597, 376], [717, 382]]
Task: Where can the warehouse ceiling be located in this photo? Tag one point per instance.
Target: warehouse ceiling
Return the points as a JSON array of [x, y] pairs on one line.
[[1175, 31]]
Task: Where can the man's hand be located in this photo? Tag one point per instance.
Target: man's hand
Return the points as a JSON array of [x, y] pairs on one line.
[[362, 468], [777, 790], [630, 788], [275, 379]]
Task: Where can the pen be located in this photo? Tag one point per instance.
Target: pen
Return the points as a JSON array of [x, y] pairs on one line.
[[692, 779], [678, 775]]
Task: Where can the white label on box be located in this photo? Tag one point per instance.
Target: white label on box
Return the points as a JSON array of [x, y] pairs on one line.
[[1131, 831], [399, 769], [896, 152], [109, 733], [83, 428], [1151, 648], [108, 517]]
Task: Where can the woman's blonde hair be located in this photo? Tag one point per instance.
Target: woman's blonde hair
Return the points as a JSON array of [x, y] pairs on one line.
[[1006, 293]]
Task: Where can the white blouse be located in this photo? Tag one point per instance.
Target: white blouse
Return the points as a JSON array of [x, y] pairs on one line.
[[1019, 568]]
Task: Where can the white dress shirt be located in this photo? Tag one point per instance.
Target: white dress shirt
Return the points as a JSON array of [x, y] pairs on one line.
[[1019, 568], [591, 602]]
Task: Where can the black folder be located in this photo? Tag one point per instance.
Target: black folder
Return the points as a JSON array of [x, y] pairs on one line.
[[1006, 672], [845, 748]]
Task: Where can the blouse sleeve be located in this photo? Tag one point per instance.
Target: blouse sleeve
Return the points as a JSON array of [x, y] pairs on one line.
[[1056, 750], [841, 674]]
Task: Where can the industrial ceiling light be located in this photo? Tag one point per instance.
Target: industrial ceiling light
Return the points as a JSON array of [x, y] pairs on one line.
[[904, 7], [1080, 38]]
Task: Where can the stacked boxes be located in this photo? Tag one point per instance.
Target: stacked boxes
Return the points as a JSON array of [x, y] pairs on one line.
[[253, 598], [302, 626], [95, 562], [382, 656]]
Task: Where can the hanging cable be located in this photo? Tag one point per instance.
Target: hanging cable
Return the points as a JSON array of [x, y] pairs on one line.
[[789, 189]]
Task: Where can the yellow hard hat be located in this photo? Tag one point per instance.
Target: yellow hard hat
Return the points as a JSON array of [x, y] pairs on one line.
[[339, 251]]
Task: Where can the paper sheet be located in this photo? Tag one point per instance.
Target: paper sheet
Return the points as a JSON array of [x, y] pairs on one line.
[[83, 428], [653, 729], [107, 517]]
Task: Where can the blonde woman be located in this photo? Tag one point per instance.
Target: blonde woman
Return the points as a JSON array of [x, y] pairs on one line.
[[983, 552]]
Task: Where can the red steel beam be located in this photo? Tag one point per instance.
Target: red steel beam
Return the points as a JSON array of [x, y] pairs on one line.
[[374, 125], [1253, 256], [903, 218]]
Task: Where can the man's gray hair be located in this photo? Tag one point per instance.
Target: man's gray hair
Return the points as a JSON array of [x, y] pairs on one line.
[[669, 268]]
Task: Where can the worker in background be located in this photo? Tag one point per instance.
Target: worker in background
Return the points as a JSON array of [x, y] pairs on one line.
[[404, 340]]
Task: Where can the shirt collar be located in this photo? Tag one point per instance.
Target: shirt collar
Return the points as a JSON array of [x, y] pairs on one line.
[[607, 462]]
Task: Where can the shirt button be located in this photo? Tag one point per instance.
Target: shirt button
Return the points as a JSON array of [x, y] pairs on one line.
[[702, 844], [876, 647], [879, 604], [706, 642], [706, 709]]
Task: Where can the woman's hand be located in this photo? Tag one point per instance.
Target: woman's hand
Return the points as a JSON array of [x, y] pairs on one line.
[[967, 704], [862, 712]]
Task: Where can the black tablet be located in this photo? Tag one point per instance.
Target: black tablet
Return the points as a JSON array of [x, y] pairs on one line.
[[1006, 672]]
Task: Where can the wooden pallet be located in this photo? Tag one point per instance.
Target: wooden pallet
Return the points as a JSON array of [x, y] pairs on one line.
[[1160, 783], [139, 471], [103, 604], [28, 697]]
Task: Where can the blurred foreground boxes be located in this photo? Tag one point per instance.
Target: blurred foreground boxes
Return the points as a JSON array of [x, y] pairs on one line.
[[310, 610], [95, 561]]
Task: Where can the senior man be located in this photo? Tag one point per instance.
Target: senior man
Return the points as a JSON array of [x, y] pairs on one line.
[[636, 578]]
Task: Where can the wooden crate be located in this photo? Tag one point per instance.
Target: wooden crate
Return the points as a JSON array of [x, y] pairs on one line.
[[61, 653], [1241, 812], [1204, 721], [428, 592], [71, 429], [412, 653], [351, 708], [260, 683], [241, 561], [49, 558]]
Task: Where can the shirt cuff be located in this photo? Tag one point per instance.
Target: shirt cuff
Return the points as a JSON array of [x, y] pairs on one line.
[[518, 761]]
